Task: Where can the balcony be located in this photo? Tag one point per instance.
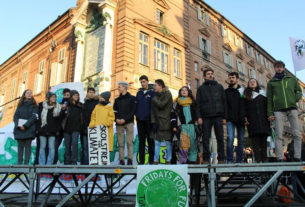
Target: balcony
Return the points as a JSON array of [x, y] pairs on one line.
[[206, 56]]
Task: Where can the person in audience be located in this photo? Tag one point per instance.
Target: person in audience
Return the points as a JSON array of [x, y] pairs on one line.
[[124, 109], [257, 120], [183, 121], [283, 93], [103, 114], [211, 111], [59, 137], [49, 126], [25, 118], [143, 101], [236, 117], [161, 108], [72, 125], [90, 102]]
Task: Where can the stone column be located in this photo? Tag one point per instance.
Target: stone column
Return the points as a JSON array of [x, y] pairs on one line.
[[108, 7], [79, 37]]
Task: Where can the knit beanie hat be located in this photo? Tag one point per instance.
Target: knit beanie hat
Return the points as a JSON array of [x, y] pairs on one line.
[[50, 94], [106, 95], [73, 92]]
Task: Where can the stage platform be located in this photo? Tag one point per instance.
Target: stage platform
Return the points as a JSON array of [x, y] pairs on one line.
[[70, 185]]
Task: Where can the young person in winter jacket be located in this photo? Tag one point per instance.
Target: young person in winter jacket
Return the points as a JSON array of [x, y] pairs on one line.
[[103, 114], [25, 119], [90, 102], [124, 110], [183, 121], [59, 137], [235, 117], [257, 120], [283, 92], [143, 110], [161, 108], [72, 126], [49, 126], [211, 111]]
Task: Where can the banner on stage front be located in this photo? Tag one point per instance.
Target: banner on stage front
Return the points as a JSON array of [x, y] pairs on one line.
[[98, 145], [298, 53], [162, 185]]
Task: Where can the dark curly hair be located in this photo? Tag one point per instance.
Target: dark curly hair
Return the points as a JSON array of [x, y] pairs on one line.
[[190, 93]]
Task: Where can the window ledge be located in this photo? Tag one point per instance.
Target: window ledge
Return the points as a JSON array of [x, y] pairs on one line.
[[162, 71], [147, 66]]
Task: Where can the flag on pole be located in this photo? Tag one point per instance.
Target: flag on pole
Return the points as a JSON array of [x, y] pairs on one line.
[[298, 53], [1, 114]]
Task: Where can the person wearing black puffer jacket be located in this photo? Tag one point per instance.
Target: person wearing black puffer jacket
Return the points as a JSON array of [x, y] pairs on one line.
[[72, 126], [90, 102], [48, 128], [211, 111], [25, 119], [257, 119], [124, 109]]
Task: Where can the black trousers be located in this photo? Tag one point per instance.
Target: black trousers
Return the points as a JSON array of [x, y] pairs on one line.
[[58, 141], [259, 144], [207, 125], [144, 134], [24, 147]]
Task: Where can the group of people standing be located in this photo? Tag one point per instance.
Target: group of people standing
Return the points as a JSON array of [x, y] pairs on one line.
[[160, 118]]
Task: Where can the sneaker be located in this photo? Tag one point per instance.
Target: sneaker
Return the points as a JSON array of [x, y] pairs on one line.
[[168, 163], [155, 163], [129, 162], [221, 162], [122, 162]]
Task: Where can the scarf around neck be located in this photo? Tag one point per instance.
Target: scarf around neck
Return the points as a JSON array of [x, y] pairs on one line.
[[182, 101], [45, 109]]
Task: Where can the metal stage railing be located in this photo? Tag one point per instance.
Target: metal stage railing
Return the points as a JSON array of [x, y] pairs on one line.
[[207, 182]]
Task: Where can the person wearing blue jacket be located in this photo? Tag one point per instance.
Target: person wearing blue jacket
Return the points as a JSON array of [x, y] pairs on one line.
[[143, 110], [25, 118]]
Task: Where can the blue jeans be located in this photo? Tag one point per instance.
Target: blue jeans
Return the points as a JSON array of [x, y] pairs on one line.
[[42, 150], [168, 151], [85, 150], [240, 136], [71, 147]]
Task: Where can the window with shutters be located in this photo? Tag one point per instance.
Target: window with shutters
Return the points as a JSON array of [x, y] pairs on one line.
[[259, 58], [160, 16], [238, 41], [13, 88], [23, 84], [205, 47], [250, 50], [143, 49], [252, 73], [260, 81], [59, 72], [196, 66], [228, 60], [2, 95], [196, 83], [225, 32], [203, 16], [39, 78], [267, 63], [160, 56], [241, 67], [177, 63]]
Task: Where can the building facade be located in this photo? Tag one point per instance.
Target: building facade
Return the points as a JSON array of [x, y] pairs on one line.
[[101, 42]]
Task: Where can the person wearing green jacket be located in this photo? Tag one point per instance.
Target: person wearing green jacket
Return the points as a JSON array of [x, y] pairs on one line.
[[283, 93]]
